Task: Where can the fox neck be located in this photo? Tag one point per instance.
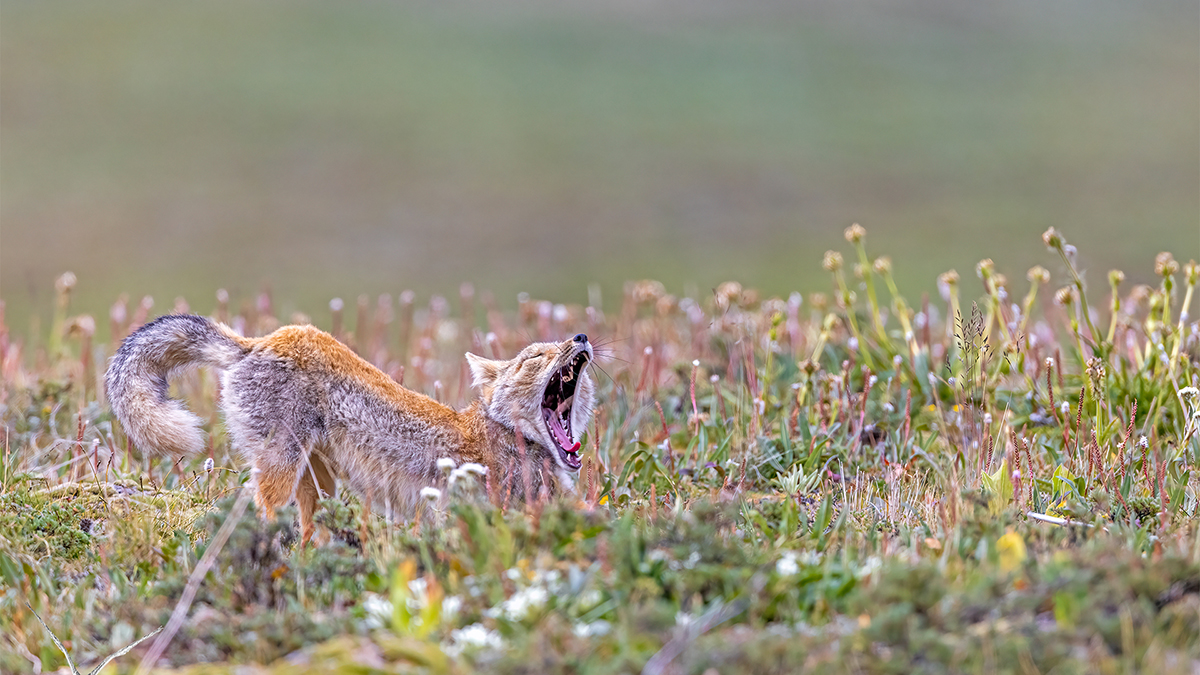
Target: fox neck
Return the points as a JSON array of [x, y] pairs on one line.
[[510, 457]]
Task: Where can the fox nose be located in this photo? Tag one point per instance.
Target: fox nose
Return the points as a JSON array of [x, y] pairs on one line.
[[581, 338]]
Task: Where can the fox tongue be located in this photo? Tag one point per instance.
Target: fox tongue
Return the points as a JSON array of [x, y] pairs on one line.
[[560, 434]]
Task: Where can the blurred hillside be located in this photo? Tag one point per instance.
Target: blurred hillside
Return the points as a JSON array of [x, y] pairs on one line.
[[333, 148]]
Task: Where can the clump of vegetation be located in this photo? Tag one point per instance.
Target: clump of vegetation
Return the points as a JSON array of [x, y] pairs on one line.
[[1004, 484]]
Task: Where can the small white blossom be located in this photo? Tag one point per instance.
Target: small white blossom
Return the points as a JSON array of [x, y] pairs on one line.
[[430, 494], [871, 381], [987, 418], [696, 363], [521, 604], [378, 609], [852, 343], [1188, 393], [787, 566], [474, 636], [1143, 442], [593, 629], [714, 378], [897, 360], [474, 468], [208, 465], [1065, 408], [446, 465]]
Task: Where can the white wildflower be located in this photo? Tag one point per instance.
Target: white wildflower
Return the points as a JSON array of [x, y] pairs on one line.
[[695, 363], [786, 566], [521, 605], [475, 636], [852, 343], [208, 465], [593, 629], [1143, 442], [450, 606], [446, 465], [987, 418], [473, 468], [897, 360], [378, 610], [1188, 393], [1065, 408], [714, 378], [430, 494]]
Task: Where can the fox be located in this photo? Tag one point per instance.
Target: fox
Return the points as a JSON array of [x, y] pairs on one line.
[[306, 412]]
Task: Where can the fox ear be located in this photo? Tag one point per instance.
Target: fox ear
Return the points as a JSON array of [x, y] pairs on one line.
[[484, 372]]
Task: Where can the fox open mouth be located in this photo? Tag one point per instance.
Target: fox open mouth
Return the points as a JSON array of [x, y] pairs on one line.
[[556, 409]]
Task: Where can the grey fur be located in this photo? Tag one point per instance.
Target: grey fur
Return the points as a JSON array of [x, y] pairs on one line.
[[137, 379]]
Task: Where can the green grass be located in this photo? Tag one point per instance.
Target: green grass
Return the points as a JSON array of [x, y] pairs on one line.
[[844, 488], [327, 150]]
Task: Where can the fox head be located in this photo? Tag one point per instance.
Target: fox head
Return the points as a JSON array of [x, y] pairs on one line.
[[545, 393]]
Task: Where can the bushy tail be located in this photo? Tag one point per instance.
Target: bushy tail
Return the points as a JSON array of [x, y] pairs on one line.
[[137, 378]]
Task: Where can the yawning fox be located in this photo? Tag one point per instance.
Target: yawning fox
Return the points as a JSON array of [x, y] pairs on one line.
[[304, 410]]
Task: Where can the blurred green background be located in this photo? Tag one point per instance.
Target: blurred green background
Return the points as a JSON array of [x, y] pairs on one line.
[[330, 149]]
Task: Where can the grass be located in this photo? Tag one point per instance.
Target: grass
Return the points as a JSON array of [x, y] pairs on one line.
[[848, 482]]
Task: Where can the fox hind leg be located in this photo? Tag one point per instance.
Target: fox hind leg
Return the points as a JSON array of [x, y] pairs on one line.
[[315, 478], [274, 487]]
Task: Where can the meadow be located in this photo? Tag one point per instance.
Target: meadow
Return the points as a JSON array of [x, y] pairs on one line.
[[843, 481]]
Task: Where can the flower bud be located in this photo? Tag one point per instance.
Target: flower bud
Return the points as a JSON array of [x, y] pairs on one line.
[[1165, 265], [1052, 239]]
